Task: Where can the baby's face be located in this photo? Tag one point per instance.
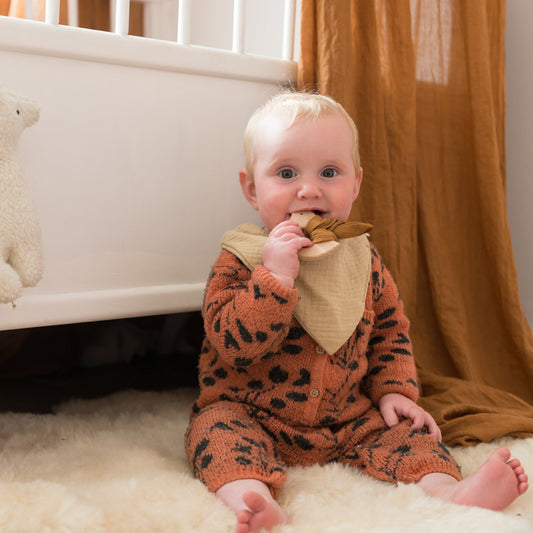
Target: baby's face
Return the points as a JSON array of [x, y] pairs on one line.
[[306, 166]]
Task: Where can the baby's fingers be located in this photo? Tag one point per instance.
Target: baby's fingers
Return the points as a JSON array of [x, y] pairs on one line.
[[418, 419], [422, 419], [287, 226], [390, 416], [433, 428]]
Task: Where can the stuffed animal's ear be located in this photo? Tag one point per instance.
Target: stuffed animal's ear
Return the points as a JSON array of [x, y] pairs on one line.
[[17, 113]]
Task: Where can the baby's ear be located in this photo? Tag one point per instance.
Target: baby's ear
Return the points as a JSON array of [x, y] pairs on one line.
[[248, 187], [357, 185]]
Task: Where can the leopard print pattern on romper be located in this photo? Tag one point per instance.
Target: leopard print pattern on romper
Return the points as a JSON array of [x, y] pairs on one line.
[[270, 397]]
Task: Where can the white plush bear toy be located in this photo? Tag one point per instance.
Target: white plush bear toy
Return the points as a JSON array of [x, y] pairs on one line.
[[21, 263]]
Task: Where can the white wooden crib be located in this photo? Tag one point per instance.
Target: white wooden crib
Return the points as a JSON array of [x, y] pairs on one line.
[[133, 164]]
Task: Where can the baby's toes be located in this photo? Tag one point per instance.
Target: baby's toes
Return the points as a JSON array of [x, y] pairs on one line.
[[243, 520]]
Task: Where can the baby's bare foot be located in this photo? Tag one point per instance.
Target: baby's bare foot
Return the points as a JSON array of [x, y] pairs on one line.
[[253, 504], [263, 513], [495, 485]]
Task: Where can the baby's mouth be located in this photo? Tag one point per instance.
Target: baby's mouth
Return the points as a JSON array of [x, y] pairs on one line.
[[314, 211]]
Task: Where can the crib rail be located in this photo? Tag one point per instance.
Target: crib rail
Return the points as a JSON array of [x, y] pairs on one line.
[[64, 41], [122, 17], [26, 36]]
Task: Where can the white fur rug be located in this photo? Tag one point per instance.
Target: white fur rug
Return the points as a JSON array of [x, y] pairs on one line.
[[117, 464]]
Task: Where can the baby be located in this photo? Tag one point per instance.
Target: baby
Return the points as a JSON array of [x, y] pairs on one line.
[[308, 361]]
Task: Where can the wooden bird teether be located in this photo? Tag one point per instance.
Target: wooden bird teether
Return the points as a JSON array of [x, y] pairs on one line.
[[325, 233], [318, 250]]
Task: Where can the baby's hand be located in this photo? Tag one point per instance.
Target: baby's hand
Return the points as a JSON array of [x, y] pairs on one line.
[[280, 254], [393, 405]]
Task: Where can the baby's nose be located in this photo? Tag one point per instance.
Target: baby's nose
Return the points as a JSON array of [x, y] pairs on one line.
[[309, 189]]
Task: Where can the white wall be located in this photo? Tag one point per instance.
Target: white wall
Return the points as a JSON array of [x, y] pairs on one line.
[[519, 141]]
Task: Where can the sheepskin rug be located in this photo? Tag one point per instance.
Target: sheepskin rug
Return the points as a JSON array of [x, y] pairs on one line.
[[117, 464]]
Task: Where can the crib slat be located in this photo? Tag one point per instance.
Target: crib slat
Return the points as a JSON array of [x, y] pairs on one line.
[[28, 9], [184, 22], [288, 30], [122, 17], [51, 15], [239, 15], [73, 13]]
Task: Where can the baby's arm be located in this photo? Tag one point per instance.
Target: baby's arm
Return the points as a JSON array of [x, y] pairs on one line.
[[393, 406], [391, 366], [247, 314], [280, 253], [391, 378]]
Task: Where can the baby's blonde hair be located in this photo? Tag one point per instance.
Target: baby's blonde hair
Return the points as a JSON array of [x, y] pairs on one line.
[[297, 105]]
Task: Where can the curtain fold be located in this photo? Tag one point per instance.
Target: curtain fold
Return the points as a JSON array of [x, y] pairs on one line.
[[4, 7], [425, 84]]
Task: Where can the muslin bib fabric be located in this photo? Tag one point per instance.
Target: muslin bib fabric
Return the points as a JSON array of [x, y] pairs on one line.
[[332, 290]]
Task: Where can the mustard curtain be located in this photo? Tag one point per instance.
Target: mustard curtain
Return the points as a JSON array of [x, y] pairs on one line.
[[4, 7], [424, 81]]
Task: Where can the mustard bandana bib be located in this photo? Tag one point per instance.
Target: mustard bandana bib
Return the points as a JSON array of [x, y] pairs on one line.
[[332, 290]]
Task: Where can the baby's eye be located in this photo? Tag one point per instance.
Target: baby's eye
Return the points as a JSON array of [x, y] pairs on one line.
[[328, 173], [287, 173]]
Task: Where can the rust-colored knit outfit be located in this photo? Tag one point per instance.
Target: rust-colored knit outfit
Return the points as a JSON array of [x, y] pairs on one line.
[[270, 397]]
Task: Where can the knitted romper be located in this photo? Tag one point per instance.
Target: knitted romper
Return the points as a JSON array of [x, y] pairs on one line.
[[270, 397]]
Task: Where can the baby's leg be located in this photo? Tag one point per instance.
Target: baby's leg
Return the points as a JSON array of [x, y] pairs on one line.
[[233, 455], [253, 504], [399, 454], [495, 485]]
